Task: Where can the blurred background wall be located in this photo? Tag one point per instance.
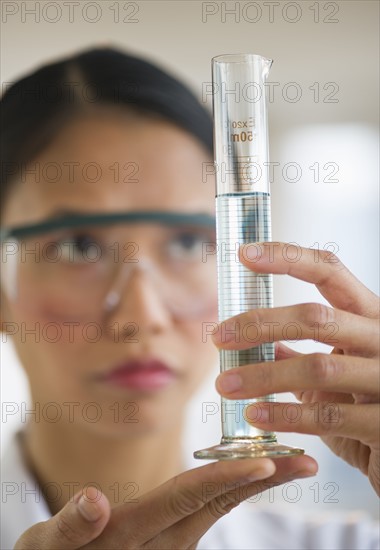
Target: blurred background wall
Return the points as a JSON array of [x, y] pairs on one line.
[[323, 116]]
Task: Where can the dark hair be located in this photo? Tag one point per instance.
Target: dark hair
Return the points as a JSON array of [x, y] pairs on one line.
[[35, 108]]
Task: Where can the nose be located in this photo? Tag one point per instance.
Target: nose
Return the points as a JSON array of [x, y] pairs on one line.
[[135, 298]]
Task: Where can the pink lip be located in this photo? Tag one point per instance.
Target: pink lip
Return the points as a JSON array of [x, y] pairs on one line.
[[141, 374]]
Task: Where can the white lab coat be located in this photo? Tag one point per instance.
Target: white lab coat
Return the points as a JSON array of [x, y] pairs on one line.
[[250, 526]]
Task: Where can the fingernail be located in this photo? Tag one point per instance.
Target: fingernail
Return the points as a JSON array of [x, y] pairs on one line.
[[304, 473], [257, 413], [89, 509], [229, 382]]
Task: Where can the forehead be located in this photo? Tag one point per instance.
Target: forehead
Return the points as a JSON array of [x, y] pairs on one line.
[[112, 162]]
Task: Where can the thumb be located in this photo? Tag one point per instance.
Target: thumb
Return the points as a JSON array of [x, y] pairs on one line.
[[82, 520]]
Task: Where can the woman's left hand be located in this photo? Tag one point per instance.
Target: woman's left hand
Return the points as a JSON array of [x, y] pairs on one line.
[[339, 392]]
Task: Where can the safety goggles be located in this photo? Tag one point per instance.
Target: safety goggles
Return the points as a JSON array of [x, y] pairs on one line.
[[79, 265]]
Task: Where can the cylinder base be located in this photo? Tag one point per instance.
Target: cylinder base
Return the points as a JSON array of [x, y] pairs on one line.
[[232, 450]]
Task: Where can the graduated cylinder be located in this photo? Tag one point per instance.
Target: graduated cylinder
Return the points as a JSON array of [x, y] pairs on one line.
[[242, 210]]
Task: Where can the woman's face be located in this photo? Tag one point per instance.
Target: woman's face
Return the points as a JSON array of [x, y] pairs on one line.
[[77, 373]]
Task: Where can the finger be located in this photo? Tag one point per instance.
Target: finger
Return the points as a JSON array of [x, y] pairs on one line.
[[359, 422], [183, 496], [308, 396], [312, 321], [78, 523], [320, 267], [284, 352], [193, 527], [316, 371]]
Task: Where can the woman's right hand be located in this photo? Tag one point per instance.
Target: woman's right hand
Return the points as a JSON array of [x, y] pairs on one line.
[[174, 515]]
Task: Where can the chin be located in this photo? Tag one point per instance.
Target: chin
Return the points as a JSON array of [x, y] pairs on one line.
[[137, 418]]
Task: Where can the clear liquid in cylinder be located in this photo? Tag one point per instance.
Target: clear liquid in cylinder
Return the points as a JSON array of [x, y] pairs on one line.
[[242, 218]]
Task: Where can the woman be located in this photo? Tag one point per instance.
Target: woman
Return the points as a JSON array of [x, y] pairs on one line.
[[104, 219]]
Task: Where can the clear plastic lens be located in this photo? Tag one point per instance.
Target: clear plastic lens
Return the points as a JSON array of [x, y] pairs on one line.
[[73, 272], [188, 248], [78, 248]]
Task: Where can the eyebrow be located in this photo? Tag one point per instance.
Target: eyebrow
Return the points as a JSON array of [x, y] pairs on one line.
[[67, 213], [62, 219]]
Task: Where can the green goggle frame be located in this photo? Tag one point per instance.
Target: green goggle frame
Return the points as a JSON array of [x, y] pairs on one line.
[[79, 220]]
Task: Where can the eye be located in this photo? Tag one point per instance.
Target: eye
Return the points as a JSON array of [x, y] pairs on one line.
[[188, 245], [79, 248]]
